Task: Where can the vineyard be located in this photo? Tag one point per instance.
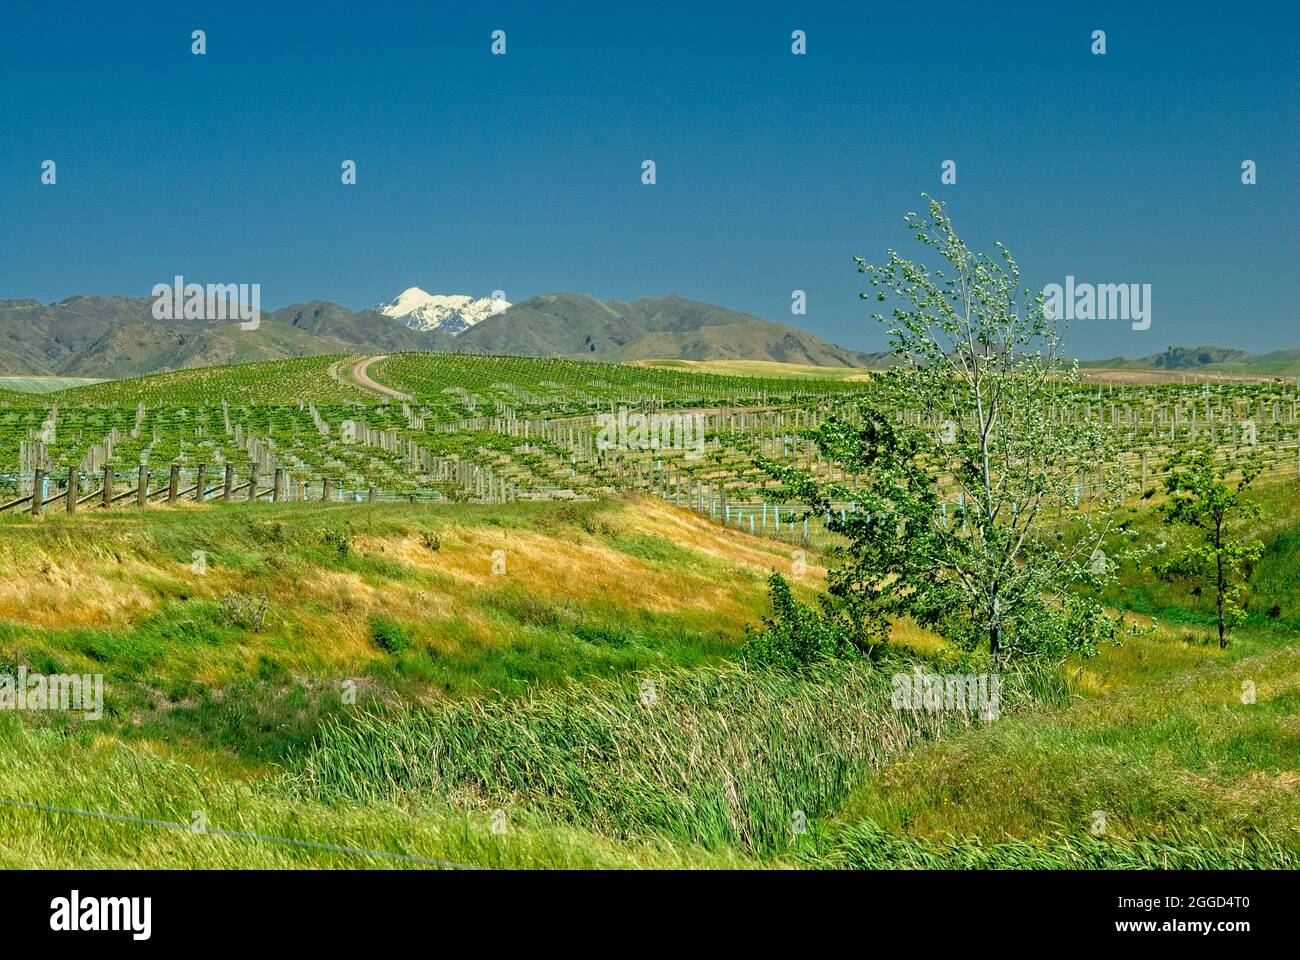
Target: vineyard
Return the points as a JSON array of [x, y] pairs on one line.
[[470, 428], [495, 429]]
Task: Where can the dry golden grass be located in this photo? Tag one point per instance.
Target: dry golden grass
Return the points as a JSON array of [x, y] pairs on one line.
[[690, 529], [640, 557], [1153, 375], [552, 569], [74, 591], [905, 633]]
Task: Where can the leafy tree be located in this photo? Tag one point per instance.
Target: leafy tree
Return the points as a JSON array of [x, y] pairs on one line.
[[1201, 496], [970, 469]]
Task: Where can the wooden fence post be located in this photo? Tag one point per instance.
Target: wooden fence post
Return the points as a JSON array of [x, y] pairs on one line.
[[142, 488], [108, 486], [327, 488], [278, 484], [74, 483], [373, 495], [201, 487], [38, 491], [174, 484], [228, 491], [252, 483]]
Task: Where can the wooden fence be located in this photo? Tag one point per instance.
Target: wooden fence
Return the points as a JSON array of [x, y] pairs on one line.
[[198, 488]]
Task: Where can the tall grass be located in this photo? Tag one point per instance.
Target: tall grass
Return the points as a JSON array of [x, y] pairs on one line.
[[718, 757], [85, 770], [868, 846]]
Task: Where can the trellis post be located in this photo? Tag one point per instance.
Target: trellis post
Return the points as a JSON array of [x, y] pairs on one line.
[[38, 491]]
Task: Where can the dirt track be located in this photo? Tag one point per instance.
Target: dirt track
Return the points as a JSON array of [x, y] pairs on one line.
[[362, 377]]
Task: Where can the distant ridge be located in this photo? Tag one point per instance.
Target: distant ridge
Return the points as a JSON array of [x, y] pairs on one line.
[[115, 337], [1223, 360]]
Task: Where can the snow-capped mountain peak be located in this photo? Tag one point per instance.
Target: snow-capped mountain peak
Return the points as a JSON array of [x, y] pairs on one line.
[[455, 314]]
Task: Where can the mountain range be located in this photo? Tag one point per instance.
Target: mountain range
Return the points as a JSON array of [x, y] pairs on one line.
[[116, 337]]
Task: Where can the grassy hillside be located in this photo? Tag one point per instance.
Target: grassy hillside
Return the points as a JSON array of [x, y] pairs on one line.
[[650, 586], [503, 719], [564, 683], [556, 384], [1157, 739], [206, 710], [560, 384], [1277, 363]]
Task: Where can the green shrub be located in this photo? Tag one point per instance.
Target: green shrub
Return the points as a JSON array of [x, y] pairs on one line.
[[797, 635], [340, 539], [389, 635]]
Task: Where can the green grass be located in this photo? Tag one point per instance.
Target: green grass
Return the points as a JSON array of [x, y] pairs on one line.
[[524, 693], [79, 769], [1179, 755], [867, 846], [717, 757], [1158, 740]]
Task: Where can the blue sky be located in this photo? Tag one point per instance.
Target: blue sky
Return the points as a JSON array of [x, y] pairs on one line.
[[523, 172]]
